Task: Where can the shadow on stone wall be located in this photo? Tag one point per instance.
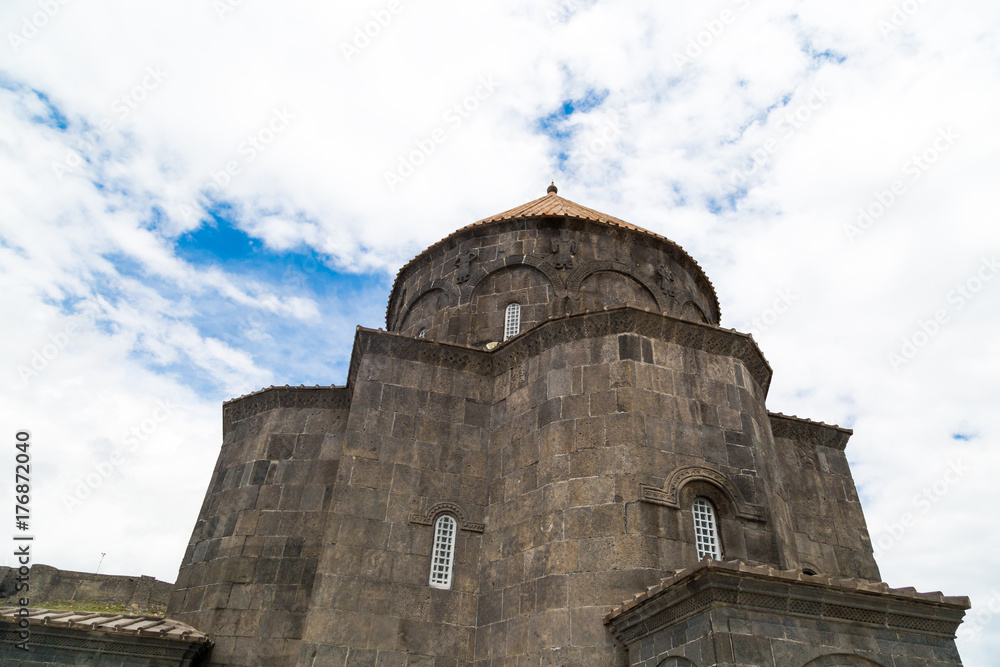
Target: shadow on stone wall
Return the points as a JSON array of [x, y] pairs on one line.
[[50, 585]]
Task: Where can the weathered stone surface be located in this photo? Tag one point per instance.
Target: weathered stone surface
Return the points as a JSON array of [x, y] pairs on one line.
[[50, 585], [59, 637], [729, 614]]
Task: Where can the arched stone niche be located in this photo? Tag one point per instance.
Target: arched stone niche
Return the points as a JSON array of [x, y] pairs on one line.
[[519, 283], [607, 284], [427, 308]]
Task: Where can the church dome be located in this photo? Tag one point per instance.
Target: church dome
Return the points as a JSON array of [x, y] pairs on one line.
[[545, 259]]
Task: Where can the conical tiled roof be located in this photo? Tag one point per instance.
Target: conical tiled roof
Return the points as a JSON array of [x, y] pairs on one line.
[[553, 204]]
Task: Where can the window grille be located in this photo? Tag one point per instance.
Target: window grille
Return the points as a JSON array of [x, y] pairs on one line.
[[512, 321], [443, 556], [706, 531]]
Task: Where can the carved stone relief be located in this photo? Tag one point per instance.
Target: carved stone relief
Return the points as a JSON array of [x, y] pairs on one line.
[[464, 264], [564, 248]]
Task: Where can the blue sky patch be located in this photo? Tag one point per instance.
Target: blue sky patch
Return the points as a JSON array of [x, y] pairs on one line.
[[53, 118], [218, 240], [555, 126], [826, 56]]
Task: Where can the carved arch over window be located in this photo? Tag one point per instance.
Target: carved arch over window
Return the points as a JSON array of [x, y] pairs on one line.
[[481, 273], [597, 266], [842, 660], [669, 495], [427, 518]]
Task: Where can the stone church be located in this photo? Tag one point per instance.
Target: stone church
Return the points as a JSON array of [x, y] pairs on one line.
[[552, 455]]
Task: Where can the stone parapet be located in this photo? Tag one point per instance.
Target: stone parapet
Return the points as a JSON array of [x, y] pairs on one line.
[[756, 614]]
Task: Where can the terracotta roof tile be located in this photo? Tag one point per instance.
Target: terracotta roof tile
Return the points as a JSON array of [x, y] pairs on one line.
[[554, 205]]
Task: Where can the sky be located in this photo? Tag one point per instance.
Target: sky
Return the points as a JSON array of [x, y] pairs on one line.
[[200, 199]]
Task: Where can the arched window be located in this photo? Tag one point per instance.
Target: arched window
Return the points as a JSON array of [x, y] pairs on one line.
[[443, 556], [706, 530], [512, 321], [423, 333]]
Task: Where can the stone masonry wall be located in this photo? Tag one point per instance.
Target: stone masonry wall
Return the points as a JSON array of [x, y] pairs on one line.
[[49, 584], [414, 446], [578, 431], [570, 456], [831, 535], [729, 636], [732, 637], [248, 572]]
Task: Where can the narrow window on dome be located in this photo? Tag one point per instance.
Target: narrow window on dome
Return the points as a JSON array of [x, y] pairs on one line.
[[423, 333], [443, 556], [512, 321], [706, 531]]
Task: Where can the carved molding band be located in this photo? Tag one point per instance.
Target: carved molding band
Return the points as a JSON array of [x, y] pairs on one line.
[[668, 496], [808, 432], [427, 518], [244, 407]]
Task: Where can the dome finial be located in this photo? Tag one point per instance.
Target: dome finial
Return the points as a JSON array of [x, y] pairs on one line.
[[552, 188]]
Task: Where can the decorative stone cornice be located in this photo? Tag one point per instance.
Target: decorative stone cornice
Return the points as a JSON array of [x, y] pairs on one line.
[[668, 495], [553, 332], [809, 432], [734, 583], [270, 398]]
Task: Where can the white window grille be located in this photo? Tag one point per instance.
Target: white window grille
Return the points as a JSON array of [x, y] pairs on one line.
[[423, 333], [706, 531], [443, 556], [512, 321]]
